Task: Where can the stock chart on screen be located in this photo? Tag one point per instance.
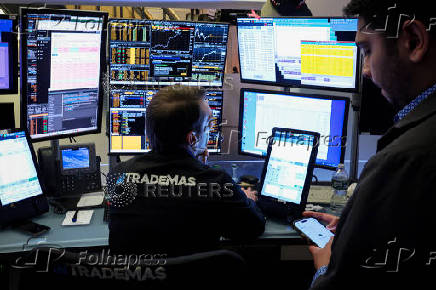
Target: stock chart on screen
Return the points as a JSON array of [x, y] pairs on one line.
[[146, 52]]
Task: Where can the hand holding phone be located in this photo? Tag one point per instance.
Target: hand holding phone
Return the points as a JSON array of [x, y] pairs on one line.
[[314, 231]]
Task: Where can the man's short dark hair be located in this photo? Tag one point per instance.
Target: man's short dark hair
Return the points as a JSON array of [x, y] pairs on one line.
[[172, 113], [375, 13]]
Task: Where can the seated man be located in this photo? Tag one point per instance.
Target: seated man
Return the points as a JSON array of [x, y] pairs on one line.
[[180, 205]]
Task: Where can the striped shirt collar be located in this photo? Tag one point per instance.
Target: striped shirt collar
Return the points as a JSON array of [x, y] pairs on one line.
[[412, 105]]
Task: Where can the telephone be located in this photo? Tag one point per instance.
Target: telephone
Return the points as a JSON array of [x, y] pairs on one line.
[[72, 171]]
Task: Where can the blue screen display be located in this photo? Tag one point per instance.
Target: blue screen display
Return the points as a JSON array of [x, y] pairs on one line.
[[5, 28], [18, 175], [263, 111], [75, 158]]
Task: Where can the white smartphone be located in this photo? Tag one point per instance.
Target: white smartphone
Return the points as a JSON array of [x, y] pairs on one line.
[[314, 230]]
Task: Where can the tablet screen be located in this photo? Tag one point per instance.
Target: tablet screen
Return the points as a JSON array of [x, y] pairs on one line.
[[287, 167]]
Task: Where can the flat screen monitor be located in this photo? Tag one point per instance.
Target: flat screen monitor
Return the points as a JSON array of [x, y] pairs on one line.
[[300, 52], [127, 133], [62, 68], [8, 55], [21, 194], [161, 53], [261, 111]]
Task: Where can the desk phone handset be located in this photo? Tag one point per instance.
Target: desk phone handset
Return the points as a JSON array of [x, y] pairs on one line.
[[74, 170]]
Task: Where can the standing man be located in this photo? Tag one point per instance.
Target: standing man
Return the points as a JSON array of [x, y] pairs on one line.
[[386, 235]]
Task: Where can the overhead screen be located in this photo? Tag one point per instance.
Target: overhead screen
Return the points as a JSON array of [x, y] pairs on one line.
[[146, 52], [261, 111], [8, 55], [127, 120], [300, 52], [63, 60]]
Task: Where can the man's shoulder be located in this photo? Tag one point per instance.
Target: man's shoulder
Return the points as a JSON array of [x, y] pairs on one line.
[[420, 136], [419, 141]]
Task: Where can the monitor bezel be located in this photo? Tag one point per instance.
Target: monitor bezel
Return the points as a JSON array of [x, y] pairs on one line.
[[132, 153], [314, 96], [167, 21], [299, 208], [281, 84], [13, 56], [23, 60], [38, 204]]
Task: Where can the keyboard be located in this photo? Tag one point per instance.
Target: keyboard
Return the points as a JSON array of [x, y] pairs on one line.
[[319, 194]]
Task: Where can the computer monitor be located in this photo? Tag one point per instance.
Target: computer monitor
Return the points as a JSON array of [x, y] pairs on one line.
[[62, 67], [300, 52], [215, 100], [127, 133], [161, 53], [127, 120], [21, 194], [8, 55], [261, 111]]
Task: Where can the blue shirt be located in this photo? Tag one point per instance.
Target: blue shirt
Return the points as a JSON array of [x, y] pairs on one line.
[[321, 271], [412, 105]]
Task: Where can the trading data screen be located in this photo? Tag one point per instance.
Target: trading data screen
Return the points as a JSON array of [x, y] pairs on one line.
[[127, 120], [7, 38], [286, 171], [262, 111], [62, 69], [161, 53], [18, 177], [316, 52]]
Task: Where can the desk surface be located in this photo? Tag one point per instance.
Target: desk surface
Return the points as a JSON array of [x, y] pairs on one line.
[[96, 234]]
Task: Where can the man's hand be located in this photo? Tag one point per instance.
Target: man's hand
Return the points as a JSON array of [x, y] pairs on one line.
[[252, 194], [321, 256], [325, 217]]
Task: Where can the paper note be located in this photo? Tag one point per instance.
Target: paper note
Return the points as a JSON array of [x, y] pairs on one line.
[[91, 199], [83, 218]]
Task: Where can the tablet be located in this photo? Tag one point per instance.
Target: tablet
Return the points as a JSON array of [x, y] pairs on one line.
[[288, 171]]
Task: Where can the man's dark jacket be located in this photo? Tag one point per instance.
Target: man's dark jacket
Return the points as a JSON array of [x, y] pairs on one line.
[[386, 237], [180, 219]]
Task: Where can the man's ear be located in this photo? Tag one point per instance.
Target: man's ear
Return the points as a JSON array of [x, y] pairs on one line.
[[191, 138], [416, 40]]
